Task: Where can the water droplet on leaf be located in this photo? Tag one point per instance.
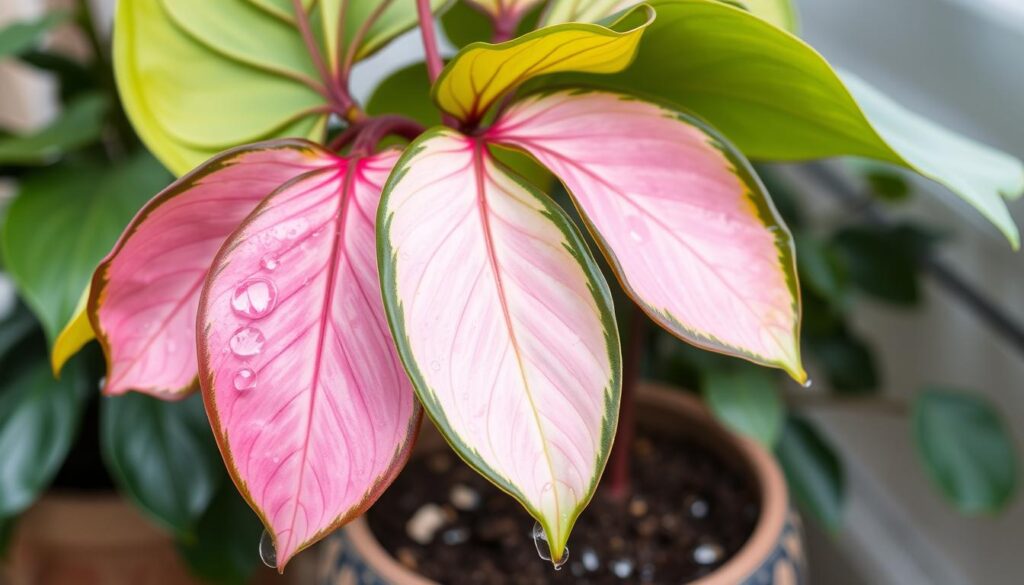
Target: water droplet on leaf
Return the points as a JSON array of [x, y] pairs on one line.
[[254, 298], [435, 365], [808, 383], [540, 540], [245, 379], [268, 554], [269, 263], [247, 342]]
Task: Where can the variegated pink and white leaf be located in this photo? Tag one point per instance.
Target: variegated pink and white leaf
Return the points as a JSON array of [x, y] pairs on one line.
[[504, 322], [686, 224], [145, 293], [309, 402]]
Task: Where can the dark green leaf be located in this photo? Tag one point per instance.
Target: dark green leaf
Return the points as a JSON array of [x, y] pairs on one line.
[[224, 551], [39, 418], [820, 269], [966, 449], [78, 125], [63, 222], [746, 400], [884, 182], [813, 471], [406, 92], [881, 261], [14, 328], [22, 36], [847, 360], [162, 455], [75, 78]]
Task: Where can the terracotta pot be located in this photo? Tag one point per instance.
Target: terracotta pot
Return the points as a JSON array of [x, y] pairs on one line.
[[78, 539], [772, 556]]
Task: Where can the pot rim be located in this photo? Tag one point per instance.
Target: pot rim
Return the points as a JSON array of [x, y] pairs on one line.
[[761, 464]]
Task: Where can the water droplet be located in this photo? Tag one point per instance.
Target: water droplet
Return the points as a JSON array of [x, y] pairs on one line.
[[435, 365], [808, 383], [254, 298], [247, 342], [245, 379], [269, 263], [637, 229], [268, 554], [103, 382], [622, 568], [708, 553], [540, 540]]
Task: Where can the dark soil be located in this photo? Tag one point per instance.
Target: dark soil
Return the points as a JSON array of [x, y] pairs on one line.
[[689, 513]]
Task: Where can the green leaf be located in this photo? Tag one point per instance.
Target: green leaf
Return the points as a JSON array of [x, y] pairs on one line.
[[197, 77], [398, 17], [781, 13], [39, 418], [226, 540], [882, 261], [746, 400], [813, 471], [63, 222], [847, 361], [75, 78], [78, 125], [14, 327], [966, 449], [885, 182], [820, 269], [405, 92], [162, 456], [778, 99], [21, 36]]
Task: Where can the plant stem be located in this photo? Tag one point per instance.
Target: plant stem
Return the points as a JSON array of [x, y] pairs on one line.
[[505, 26], [430, 47], [335, 93], [619, 484], [368, 133]]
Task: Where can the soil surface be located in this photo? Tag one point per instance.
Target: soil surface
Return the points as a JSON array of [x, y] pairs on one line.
[[690, 512]]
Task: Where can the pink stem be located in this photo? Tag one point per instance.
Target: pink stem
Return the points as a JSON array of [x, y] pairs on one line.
[[337, 94], [430, 46]]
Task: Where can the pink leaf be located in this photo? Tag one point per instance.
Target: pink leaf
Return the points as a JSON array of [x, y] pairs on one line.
[[311, 407], [504, 322], [145, 293], [683, 219]]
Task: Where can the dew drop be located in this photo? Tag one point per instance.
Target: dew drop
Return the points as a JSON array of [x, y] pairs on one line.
[[254, 298], [540, 540], [268, 554], [808, 383], [245, 379], [637, 229], [435, 365], [247, 342], [269, 263]]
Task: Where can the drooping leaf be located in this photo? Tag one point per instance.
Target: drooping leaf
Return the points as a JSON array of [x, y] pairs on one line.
[[19, 37], [967, 450], [78, 125], [482, 73], [145, 293], [682, 218], [504, 322], [191, 96], [161, 456], [39, 418], [778, 99], [311, 407], [747, 401], [226, 536], [813, 471], [62, 223]]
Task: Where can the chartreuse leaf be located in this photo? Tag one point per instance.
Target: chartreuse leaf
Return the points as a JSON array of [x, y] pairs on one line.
[[967, 450], [303, 346], [781, 13], [18, 37], [145, 293], [747, 401], [222, 551], [684, 222], [61, 224], [39, 417], [194, 84], [482, 73], [813, 471], [162, 456], [504, 323], [778, 99], [78, 125], [75, 334]]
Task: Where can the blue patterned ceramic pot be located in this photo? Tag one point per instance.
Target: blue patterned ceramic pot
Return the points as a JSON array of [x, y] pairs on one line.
[[774, 555]]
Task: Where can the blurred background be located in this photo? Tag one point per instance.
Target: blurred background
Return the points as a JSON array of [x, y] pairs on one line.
[[958, 62]]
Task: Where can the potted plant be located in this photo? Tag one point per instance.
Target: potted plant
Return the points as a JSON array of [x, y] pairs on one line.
[[326, 271]]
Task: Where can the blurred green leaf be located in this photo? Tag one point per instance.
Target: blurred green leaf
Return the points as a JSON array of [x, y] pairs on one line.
[[162, 456], [22, 36], [966, 449], [883, 261], [224, 551], [813, 471], [39, 418], [820, 269], [78, 125], [884, 181], [782, 195], [406, 92], [63, 222], [847, 361], [15, 327], [746, 400], [75, 78]]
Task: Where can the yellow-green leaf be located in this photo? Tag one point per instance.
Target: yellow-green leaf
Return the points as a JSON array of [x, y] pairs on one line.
[[74, 336], [482, 73]]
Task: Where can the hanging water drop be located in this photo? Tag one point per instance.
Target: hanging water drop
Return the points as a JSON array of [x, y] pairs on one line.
[[808, 383], [247, 342], [254, 298], [540, 540], [269, 263], [245, 379], [435, 365], [268, 554]]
